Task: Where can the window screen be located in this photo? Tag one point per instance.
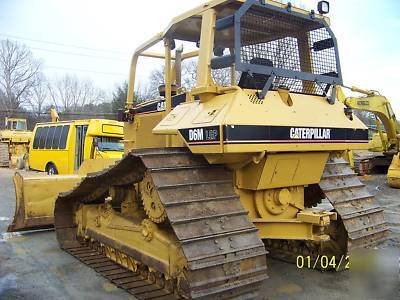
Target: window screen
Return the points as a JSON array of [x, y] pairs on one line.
[[37, 137], [64, 135], [298, 51]]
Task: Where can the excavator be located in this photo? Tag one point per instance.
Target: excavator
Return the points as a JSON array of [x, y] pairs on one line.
[[386, 142], [214, 177]]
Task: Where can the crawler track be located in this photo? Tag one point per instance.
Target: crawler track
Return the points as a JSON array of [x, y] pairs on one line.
[[362, 216], [225, 257], [360, 224], [135, 283]]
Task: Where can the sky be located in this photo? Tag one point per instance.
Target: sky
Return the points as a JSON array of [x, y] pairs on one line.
[[95, 39]]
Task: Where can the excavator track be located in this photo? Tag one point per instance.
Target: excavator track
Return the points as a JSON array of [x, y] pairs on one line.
[[360, 223], [225, 256]]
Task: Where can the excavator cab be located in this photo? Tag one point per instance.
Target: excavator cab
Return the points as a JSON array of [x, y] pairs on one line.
[[16, 124]]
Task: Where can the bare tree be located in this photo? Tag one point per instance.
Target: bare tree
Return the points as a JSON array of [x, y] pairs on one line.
[[189, 77], [189, 74], [71, 94], [38, 99], [18, 74]]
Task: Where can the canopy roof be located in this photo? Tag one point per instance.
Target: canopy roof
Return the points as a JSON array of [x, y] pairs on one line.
[[187, 26]]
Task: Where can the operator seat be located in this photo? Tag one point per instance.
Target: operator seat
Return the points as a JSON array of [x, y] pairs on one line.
[[255, 81]]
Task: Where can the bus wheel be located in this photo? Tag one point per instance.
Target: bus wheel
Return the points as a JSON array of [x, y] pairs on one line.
[[52, 170]]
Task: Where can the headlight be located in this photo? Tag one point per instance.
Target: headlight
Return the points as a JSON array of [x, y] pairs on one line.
[[323, 7]]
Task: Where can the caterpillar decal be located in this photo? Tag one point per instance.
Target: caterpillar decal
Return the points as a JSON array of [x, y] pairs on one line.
[[256, 134]]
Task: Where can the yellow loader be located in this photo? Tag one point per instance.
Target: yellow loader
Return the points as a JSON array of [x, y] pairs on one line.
[[215, 176]]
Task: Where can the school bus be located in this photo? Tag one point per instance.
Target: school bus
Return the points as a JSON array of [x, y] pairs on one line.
[[61, 147]]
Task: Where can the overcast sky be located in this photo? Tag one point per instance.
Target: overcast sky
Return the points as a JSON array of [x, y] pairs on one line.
[[95, 38]]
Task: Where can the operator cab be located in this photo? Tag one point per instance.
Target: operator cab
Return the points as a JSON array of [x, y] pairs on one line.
[[274, 47], [16, 124]]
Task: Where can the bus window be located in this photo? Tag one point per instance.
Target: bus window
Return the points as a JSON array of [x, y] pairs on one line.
[[43, 137], [50, 135], [109, 143], [56, 138], [37, 137], [63, 138]]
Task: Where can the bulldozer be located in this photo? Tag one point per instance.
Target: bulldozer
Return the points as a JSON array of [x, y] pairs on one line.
[[384, 144], [214, 177], [14, 141]]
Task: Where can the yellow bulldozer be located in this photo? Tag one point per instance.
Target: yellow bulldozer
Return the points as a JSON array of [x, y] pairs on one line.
[[385, 144], [214, 177], [14, 141]]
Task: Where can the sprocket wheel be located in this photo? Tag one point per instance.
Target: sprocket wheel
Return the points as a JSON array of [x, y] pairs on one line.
[[153, 207]]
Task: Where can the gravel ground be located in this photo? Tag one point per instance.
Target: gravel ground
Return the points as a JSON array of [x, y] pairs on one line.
[[33, 267]]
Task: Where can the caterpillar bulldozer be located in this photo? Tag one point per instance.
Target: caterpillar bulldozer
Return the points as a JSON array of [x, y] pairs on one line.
[[14, 141], [384, 143], [214, 177]]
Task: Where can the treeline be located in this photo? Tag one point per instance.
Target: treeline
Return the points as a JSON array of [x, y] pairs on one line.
[[24, 87]]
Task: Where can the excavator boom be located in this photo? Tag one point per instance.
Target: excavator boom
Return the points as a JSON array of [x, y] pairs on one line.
[[381, 107]]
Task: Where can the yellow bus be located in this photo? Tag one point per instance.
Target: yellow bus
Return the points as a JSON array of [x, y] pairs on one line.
[[61, 147]]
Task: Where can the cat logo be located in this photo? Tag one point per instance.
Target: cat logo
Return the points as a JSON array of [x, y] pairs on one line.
[[310, 133], [295, 134]]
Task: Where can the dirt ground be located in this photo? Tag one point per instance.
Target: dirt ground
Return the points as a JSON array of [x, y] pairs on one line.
[[33, 267]]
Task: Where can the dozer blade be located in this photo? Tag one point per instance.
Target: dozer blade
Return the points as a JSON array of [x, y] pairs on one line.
[[393, 174], [35, 197]]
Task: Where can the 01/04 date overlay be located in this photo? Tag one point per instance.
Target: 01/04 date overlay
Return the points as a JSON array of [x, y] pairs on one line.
[[323, 262]]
